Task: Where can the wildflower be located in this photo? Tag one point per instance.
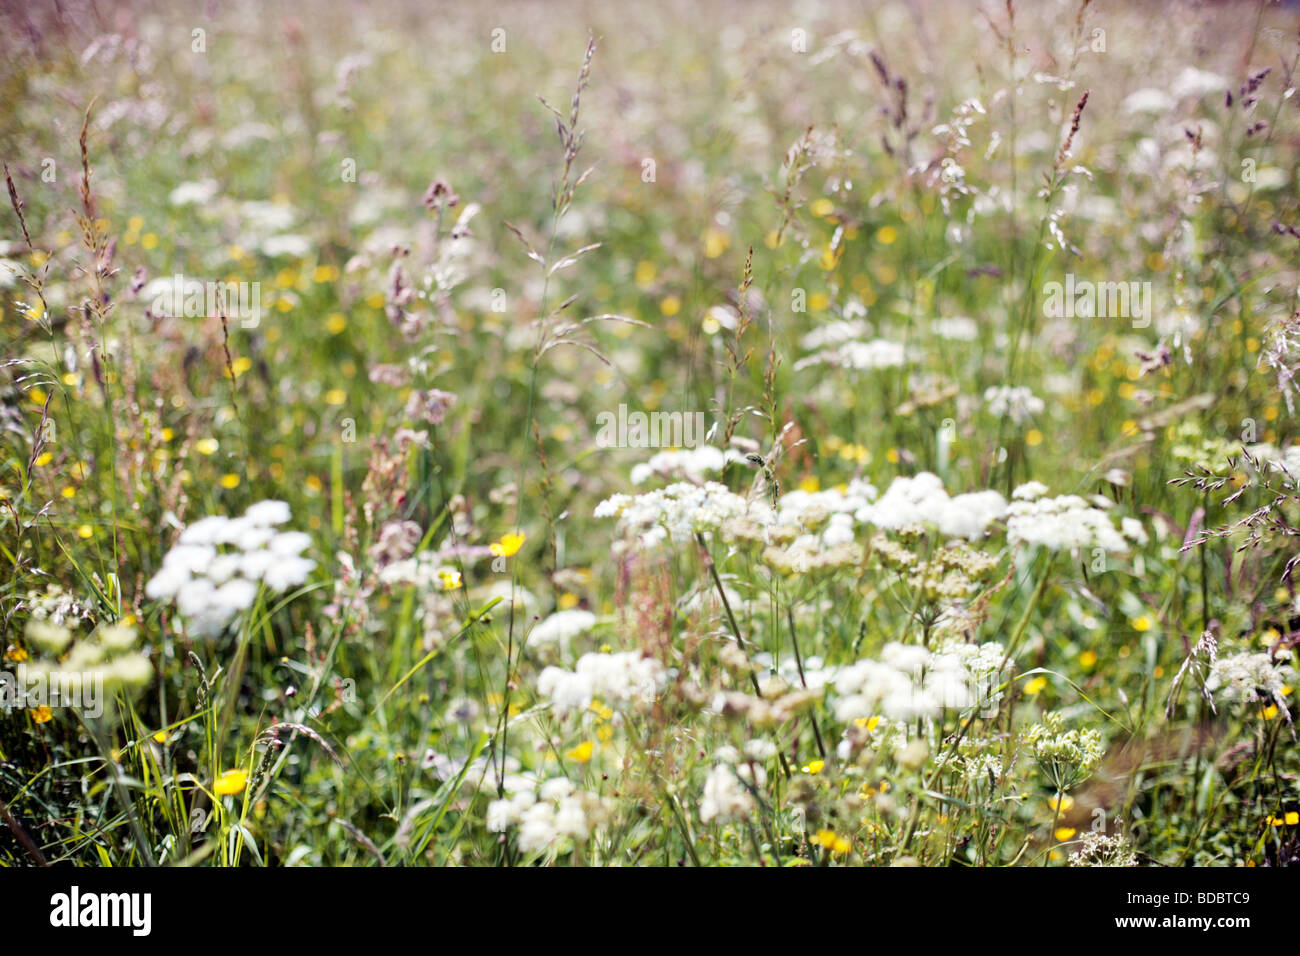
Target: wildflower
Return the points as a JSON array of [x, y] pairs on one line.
[[1060, 524], [209, 586], [1066, 757], [625, 681], [230, 782], [560, 628], [1012, 401], [1248, 678], [509, 545], [725, 798], [1099, 849], [921, 501]]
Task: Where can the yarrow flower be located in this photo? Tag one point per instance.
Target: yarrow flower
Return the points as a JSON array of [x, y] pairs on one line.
[[213, 572]]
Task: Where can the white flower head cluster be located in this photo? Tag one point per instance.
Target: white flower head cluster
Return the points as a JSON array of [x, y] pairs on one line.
[[1248, 678], [1068, 523], [216, 567], [910, 681], [548, 814], [561, 628], [624, 681], [835, 506], [680, 510], [835, 332], [1013, 401], [689, 464], [958, 328], [859, 356], [726, 798], [427, 571], [921, 501]]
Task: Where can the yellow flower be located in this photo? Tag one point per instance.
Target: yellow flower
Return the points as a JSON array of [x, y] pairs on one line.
[[231, 782], [451, 580], [1067, 802], [1036, 685], [160, 737], [1064, 833], [814, 766], [508, 546], [230, 480], [15, 654], [206, 446], [1142, 623], [1088, 659], [582, 752], [42, 715]]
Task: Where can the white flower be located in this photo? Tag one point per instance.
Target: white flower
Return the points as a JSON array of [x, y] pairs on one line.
[[921, 501], [268, 513], [191, 194], [691, 464], [1248, 678], [1013, 401], [1066, 523], [214, 570], [622, 681], [725, 797], [956, 329], [560, 628], [860, 356]]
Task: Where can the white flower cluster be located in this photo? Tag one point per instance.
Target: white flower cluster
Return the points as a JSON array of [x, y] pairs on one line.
[[690, 464], [623, 681], [214, 570], [958, 328], [726, 797], [1069, 523], [561, 628], [426, 571], [910, 681], [835, 332], [1013, 401], [680, 510], [1248, 678], [861, 356], [836, 507], [921, 501], [544, 817]]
